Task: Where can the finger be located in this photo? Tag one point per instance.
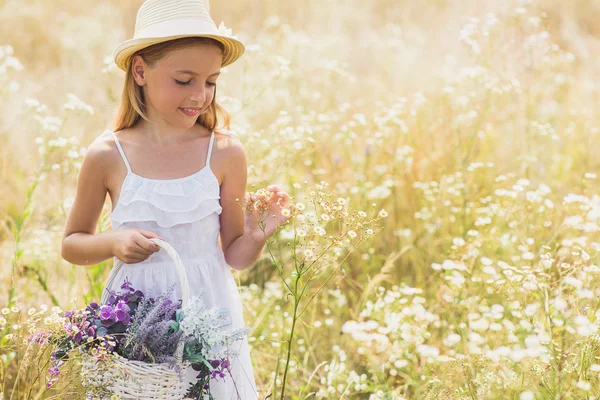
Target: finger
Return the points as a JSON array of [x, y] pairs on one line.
[[149, 234], [250, 202], [274, 194], [272, 188], [139, 256], [147, 245], [285, 198], [143, 251], [135, 256]]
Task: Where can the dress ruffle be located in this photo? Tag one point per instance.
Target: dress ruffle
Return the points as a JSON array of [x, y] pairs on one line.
[[141, 211], [168, 202], [202, 185]]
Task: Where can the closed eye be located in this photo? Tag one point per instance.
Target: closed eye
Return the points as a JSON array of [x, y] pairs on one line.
[[188, 82]]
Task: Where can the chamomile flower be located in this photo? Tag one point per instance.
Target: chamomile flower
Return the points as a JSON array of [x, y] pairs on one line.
[[301, 232], [319, 230], [300, 206], [362, 214], [383, 213], [352, 234], [325, 217]]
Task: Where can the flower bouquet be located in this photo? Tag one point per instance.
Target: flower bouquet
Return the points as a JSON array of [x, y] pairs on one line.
[[133, 346]]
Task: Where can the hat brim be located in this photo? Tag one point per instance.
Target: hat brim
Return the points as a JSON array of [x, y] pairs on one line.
[[234, 49]]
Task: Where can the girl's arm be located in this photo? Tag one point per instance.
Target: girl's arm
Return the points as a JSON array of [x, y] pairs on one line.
[[240, 250], [80, 245]]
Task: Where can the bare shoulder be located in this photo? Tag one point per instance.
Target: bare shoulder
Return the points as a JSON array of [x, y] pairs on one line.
[[228, 154], [102, 152], [229, 142]]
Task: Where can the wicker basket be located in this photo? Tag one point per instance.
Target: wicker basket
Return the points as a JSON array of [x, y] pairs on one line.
[[148, 381]]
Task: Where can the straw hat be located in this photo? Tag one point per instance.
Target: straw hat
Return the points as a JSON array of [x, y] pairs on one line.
[[162, 20]]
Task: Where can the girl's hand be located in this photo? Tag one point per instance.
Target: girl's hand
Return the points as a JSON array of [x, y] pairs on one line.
[[132, 246], [268, 209]]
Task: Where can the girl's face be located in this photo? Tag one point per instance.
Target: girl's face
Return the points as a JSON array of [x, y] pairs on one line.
[[181, 85]]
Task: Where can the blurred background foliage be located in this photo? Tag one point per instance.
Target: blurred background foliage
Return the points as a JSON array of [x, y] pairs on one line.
[[469, 121]]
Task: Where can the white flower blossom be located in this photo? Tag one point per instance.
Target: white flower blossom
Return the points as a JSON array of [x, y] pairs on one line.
[[210, 328]]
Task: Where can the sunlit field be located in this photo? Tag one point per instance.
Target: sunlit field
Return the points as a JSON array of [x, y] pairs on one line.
[[445, 155]]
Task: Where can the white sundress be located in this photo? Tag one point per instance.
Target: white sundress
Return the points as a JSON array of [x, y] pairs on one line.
[[185, 212]]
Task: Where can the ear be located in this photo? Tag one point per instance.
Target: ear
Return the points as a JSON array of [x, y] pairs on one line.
[[138, 69]]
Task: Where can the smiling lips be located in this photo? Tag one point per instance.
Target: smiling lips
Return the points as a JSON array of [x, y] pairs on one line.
[[190, 111]]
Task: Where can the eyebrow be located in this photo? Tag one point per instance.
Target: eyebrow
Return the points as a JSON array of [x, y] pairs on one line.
[[187, 71]]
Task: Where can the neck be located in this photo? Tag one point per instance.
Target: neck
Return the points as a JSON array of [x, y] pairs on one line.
[[161, 132]]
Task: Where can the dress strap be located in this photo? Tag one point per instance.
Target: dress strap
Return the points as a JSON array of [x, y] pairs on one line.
[[121, 151], [210, 146]]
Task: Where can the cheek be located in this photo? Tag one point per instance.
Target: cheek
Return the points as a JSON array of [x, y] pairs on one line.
[[210, 94], [161, 93], [169, 95]]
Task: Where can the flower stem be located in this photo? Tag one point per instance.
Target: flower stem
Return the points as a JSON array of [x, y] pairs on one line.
[[289, 349]]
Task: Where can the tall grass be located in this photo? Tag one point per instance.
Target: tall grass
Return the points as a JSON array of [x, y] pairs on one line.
[[473, 123]]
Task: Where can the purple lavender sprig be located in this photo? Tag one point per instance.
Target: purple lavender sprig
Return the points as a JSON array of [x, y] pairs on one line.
[[151, 337]]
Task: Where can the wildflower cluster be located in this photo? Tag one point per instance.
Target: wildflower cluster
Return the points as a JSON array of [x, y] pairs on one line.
[[26, 344], [137, 327], [99, 321], [208, 329], [209, 339], [324, 231]]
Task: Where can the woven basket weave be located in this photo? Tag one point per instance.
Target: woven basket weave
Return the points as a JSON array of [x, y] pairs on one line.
[[137, 380]]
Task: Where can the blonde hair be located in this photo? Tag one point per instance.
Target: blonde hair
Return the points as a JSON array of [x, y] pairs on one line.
[[132, 106]]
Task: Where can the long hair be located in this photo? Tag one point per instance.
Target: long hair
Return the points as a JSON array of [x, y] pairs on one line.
[[132, 106]]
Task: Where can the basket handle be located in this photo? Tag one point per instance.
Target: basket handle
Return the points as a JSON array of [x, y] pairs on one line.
[[179, 267]]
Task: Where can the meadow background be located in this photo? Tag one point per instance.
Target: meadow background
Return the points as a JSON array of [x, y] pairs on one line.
[[474, 124]]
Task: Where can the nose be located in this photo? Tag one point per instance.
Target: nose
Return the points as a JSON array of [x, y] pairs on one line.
[[199, 96]]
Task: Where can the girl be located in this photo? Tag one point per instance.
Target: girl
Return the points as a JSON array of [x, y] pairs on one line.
[[172, 175]]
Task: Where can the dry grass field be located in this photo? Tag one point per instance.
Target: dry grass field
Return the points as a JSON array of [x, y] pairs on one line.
[[474, 125]]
